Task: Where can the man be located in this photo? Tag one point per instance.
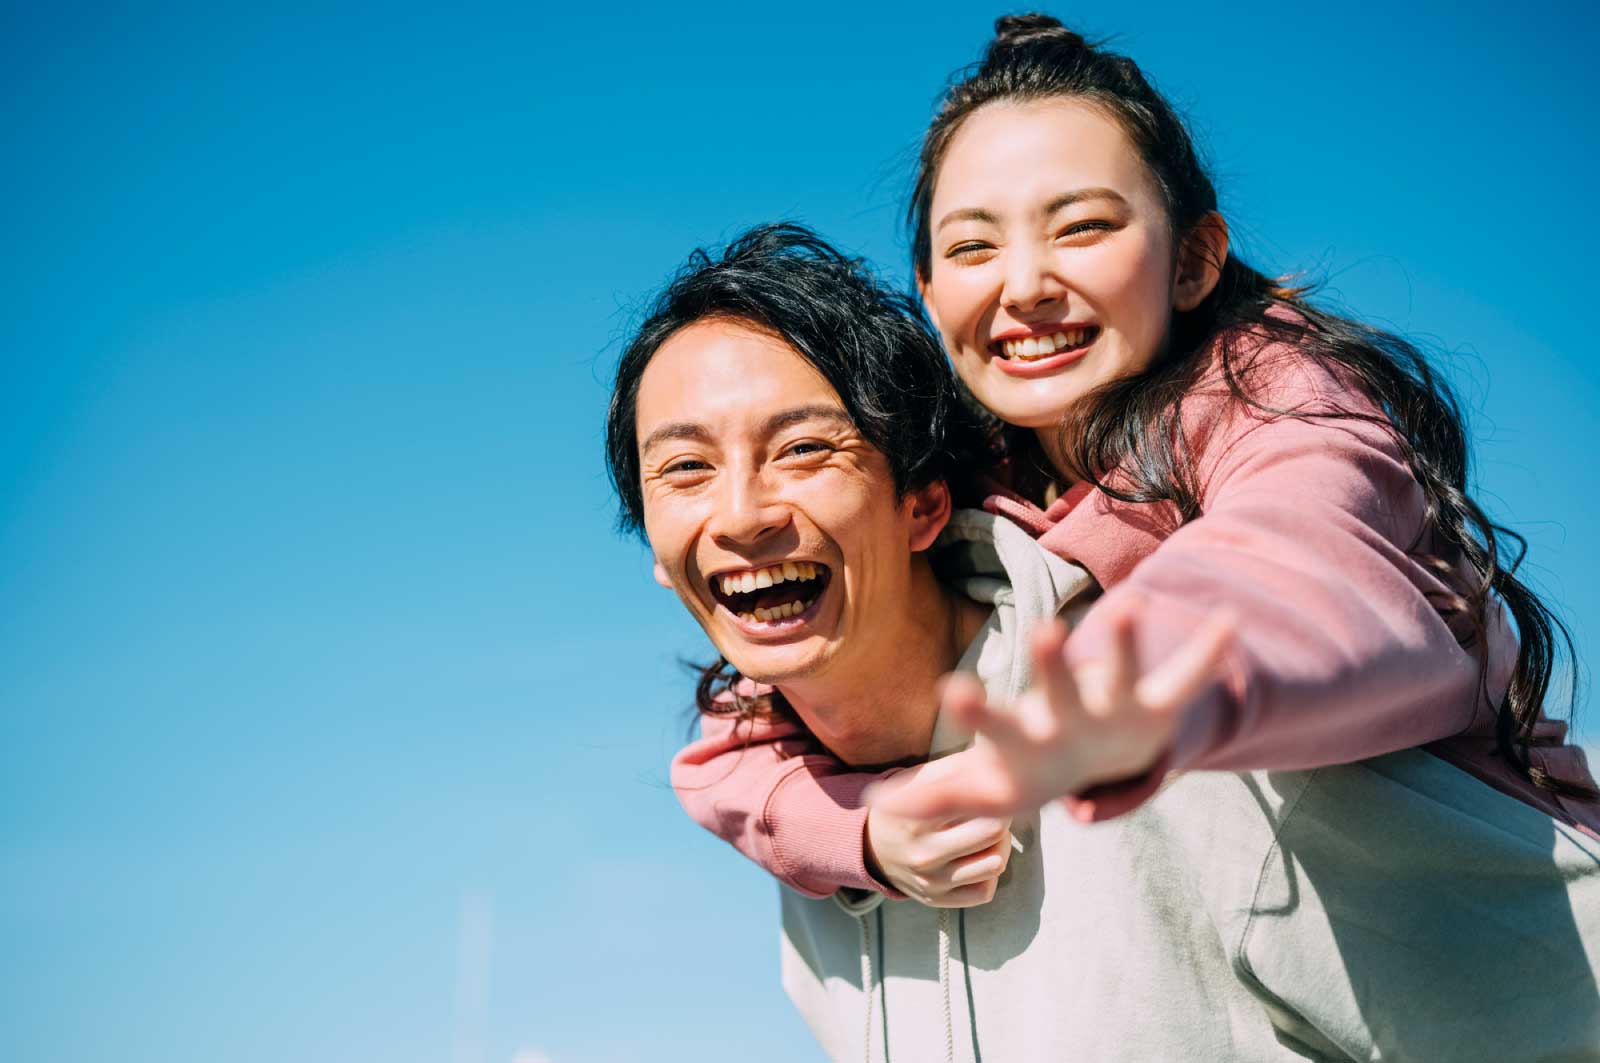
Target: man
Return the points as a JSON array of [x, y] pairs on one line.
[[786, 432]]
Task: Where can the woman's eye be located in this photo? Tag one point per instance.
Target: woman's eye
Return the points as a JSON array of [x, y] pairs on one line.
[[1084, 227], [969, 252], [806, 448], [684, 465]]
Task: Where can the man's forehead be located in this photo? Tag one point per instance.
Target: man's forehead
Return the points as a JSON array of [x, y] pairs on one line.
[[718, 374]]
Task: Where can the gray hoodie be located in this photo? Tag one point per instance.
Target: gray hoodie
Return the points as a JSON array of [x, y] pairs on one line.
[[1392, 909]]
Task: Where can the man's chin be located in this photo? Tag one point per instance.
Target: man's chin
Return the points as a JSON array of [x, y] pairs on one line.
[[764, 669]]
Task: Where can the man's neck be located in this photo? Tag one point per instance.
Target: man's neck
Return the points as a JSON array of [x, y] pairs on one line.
[[887, 712]]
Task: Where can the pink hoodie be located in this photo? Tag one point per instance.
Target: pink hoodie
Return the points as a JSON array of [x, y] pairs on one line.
[[1340, 655]]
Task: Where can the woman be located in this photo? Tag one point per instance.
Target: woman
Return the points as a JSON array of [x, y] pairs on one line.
[[1203, 438], [1199, 437]]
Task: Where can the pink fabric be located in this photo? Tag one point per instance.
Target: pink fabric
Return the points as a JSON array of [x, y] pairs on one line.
[[770, 791], [1304, 535]]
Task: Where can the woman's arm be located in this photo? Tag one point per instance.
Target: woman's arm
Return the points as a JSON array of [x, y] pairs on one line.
[[767, 789], [764, 787], [1337, 651]]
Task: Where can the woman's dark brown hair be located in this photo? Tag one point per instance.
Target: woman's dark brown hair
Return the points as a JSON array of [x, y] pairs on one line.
[[1133, 425]]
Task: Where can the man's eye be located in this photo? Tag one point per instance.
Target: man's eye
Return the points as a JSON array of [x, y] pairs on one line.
[[805, 448]]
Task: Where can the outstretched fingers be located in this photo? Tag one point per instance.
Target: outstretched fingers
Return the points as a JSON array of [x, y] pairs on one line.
[[962, 696], [1122, 669], [1193, 664], [1051, 674]]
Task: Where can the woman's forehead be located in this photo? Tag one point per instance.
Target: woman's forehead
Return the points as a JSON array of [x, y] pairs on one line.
[[1015, 153]]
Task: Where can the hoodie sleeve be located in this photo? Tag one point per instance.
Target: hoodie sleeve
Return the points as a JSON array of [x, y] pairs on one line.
[[1340, 653], [767, 789]]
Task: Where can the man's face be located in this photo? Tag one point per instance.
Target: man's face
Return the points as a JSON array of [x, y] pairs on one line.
[[771, 517]]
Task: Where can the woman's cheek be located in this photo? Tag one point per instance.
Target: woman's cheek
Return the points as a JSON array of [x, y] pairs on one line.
[[961, 301]]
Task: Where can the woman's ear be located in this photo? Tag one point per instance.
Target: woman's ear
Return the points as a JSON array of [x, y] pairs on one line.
[[929, 510], [662, 577], [1200, 260], [922, 293]]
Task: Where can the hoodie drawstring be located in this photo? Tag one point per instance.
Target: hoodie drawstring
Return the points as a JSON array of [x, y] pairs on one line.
[[966, 974], [866, 983], [866, 987], [944, 984]]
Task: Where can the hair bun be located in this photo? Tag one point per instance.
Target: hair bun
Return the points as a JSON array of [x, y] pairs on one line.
[[1012, 30]]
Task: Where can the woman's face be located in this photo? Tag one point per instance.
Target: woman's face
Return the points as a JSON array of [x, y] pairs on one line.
[[1052, 269]]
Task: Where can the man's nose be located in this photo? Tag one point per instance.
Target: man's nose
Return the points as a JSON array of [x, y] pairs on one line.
[[748, 510]]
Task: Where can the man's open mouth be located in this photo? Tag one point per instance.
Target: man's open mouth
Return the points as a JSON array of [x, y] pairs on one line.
[[773, 592]]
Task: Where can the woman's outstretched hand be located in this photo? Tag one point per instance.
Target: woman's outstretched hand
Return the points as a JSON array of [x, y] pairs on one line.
[[1072, 729]]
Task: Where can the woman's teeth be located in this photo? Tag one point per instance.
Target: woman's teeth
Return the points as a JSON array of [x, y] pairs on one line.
[[1039, 346]]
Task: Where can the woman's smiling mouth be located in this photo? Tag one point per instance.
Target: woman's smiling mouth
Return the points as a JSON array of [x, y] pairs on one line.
[[771, 598], [1043, 352], [1034, 348]]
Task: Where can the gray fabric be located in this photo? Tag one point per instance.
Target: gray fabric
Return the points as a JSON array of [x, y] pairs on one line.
[[1394, 909]]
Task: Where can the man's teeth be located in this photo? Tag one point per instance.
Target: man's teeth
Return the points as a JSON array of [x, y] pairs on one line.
[[777, 612], [1039, 346], [762, 578]]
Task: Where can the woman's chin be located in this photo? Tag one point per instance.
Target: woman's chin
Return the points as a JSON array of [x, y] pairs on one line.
[[1038, 412], [1040, 403]]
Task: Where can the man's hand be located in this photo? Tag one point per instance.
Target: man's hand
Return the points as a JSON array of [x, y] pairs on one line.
[[946, 863]]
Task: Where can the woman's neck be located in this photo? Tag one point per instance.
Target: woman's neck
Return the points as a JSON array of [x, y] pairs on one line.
[[1052, 458]]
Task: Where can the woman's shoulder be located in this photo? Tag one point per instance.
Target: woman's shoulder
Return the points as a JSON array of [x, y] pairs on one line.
[[1276, 366], [1278, 376]]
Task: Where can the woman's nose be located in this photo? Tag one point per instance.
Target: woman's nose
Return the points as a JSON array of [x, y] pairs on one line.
[[1030, 280]]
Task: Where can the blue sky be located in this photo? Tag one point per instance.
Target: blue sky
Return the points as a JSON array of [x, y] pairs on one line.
[[333, 717]]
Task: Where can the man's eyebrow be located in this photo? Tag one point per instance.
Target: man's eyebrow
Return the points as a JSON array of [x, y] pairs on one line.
[[820, 411], [676, 430], [1065, 199], [699, 433]]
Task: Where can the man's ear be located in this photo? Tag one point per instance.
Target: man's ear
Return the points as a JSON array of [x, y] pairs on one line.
[[661, 576], [1200, 259], [930, 509]]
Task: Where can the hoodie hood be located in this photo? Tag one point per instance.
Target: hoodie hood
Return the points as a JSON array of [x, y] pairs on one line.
[[993, 561]]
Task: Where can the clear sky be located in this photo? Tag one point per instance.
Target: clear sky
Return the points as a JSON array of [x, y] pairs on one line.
[[334, 718]]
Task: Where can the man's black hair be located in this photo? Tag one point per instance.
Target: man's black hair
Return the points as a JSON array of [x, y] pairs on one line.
[[872, 344]]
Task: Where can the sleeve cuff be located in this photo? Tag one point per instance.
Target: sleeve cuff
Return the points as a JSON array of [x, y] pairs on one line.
[[818, 834]]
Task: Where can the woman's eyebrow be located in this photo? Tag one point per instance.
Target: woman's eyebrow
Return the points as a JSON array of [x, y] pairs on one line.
[[968, 214], [1065, 199]]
